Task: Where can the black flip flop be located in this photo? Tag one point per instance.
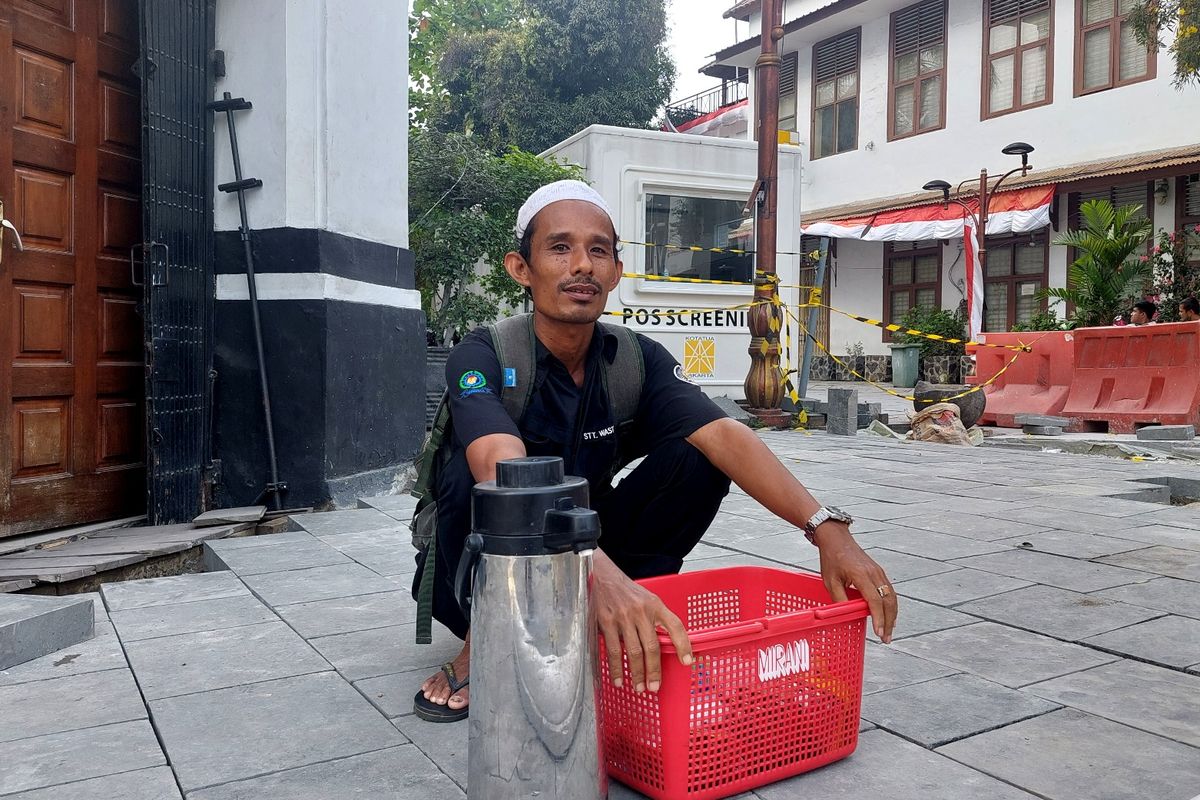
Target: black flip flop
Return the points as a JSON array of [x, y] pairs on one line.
[[430, 711]]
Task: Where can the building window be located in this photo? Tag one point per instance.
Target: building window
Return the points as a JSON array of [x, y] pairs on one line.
[[912, 276], [918, 69], [1017, 269], [835, 95], [1188, 194], [1107, 52], [676, 222], [787, 92], [1138, 193], [1018, 44]]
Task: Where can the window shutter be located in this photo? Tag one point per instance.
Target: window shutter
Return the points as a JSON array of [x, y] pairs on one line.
[[920, 26], [837, 57], [787, 75], [1001, 10], [1128, 195], [1191, 196]]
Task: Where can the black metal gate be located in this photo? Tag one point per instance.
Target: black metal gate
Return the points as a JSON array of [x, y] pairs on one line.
[[176, 250]]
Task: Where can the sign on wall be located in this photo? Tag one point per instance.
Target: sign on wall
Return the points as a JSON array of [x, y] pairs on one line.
[[700, 356]]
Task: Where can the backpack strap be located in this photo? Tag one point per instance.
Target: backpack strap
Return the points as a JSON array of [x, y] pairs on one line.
[[516, 350], [624, 377]]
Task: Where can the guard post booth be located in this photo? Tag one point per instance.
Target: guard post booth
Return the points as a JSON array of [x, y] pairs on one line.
[[673, 192]]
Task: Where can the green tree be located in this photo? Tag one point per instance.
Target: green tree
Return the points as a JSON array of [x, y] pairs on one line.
[[463, 202], [1156, 21], [553, 68], [1107, 276]]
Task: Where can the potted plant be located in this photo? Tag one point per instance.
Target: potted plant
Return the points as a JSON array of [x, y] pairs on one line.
[[941, 360], [1107, 275]]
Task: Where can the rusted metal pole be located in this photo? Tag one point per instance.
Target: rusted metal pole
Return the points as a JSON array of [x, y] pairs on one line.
[[981, 234], [764, 389]]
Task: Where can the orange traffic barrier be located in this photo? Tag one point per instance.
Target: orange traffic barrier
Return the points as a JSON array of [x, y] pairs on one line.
[[1036, 383], [1130, 376]]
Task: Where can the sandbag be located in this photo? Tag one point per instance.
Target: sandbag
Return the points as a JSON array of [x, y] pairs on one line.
[[940, 423]]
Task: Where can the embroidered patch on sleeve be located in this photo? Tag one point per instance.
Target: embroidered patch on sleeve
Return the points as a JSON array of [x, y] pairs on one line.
[[472, 379]]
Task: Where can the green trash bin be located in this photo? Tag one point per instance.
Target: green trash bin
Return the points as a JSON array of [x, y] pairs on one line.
[[905, 361]]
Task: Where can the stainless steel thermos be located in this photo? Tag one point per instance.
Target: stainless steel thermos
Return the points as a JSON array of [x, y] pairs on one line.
[[524, 577]]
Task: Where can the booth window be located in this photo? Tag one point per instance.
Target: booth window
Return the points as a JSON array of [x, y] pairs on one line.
[[675, 223], [1018, 55], [1107, 53], [912, 277], [1017, 270], [835, 95], [918, 69]]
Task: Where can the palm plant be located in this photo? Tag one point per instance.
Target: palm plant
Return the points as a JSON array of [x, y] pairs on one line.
[[1106, 277]]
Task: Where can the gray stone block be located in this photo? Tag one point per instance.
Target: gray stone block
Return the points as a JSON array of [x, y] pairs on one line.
[[947, 709], [393, 694], [1169, 561], [1073, 544], [279, 558], [69, 703], [1044, 420], [317, 583], [225, 516], [842, 417], [155, 783], [732, 409], [1139, 695], [903, 567], [261, 540], [888, 668], [1065, 573], [335, 522], [1172, 595], [1166, 433], [959, 586], [174, 589], [245, 731], [99, 653], [1057, 612], [33, 625], [400, 772], [886, 766], [382, 651], [970, 406], [384, 559], [1070, 755], [151, 622], [1005, 655], [347, 614], [1041, 430], [1172, 641], [917, 618], [62, 758], [971, 524], [445, 744], [197, 662], [929, 544]]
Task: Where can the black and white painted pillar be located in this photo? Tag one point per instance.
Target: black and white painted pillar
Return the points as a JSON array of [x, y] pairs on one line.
[[342, 324]]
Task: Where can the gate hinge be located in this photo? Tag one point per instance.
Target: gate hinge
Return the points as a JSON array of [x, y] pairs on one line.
[[217, 63]]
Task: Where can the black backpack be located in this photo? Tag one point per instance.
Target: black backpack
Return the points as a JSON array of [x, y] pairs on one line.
[[516, 350]]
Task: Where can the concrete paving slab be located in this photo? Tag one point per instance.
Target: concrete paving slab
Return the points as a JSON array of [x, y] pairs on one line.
[[1141, 696], [1064, 573], [1102, 506], [246, 731], [1057, 612], [445, 743], [224, 516], [173, 589], [886, 512], [316, 583], [971, 526], [958, 586], [261, 540], [905, 567], [929, 544], [398, 506], [332, 523], [1001, 654], [1070, 755], [947, 709], [1168, 535], [398, 772], [1172, 595], [33, 625], [398, 538], [396, 558], [730, 529], [383, 651], [61, 758], [1172, 562], [916, 618], [346, 614], [1073, 544], [393, 694], [886, 766], [732, 560], [152, 622], [101, 652], [788, 548], [1172, 641], [1061, 519], [216, 659], [155, 783], [70, 703], [888, 668], [280, 558]]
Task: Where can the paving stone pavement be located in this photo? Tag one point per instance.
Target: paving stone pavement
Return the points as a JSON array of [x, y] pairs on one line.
[[1046, 647]]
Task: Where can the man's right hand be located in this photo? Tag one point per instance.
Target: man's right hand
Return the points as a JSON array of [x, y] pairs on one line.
[[630, 615]]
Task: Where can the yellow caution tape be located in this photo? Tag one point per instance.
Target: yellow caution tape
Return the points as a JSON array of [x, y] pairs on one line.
[[1022, 347], [695, 248]]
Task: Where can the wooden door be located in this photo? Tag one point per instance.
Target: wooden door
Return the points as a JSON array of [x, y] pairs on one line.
[[71, 347]]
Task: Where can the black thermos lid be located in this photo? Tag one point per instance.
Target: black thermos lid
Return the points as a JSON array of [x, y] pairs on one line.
[[510, 512]]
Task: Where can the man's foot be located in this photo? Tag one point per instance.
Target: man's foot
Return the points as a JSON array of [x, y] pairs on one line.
[[444, 696]]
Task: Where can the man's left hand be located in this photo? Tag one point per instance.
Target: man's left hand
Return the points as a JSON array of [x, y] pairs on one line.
[[845, 565]]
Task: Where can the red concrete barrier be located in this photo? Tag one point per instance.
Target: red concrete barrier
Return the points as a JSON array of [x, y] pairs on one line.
[[1036, 383], [1130, 376]]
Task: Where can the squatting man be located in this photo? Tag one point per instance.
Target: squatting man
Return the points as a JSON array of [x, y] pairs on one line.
[[568, 260]]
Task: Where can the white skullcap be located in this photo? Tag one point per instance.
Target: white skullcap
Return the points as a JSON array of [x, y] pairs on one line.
[[553, 193]]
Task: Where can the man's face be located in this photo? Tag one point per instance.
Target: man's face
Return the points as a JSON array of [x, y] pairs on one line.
[[1138, 317], [1187, 315], [572, 262]]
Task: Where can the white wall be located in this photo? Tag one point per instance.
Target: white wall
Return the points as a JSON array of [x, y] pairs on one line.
[[328, 134]]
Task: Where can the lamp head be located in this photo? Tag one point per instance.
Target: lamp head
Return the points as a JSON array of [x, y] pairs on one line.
[[1021, 149], [939, 186]]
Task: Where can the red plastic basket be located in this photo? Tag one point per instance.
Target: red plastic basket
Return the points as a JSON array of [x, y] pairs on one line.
[[775, 688]]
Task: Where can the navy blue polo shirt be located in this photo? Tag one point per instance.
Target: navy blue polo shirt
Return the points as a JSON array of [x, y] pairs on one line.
[[574, 422]]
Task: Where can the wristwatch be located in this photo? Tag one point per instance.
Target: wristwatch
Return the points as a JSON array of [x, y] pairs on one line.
[[824, 514]]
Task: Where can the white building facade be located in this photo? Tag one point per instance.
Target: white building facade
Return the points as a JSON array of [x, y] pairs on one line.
[[884, 96]]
